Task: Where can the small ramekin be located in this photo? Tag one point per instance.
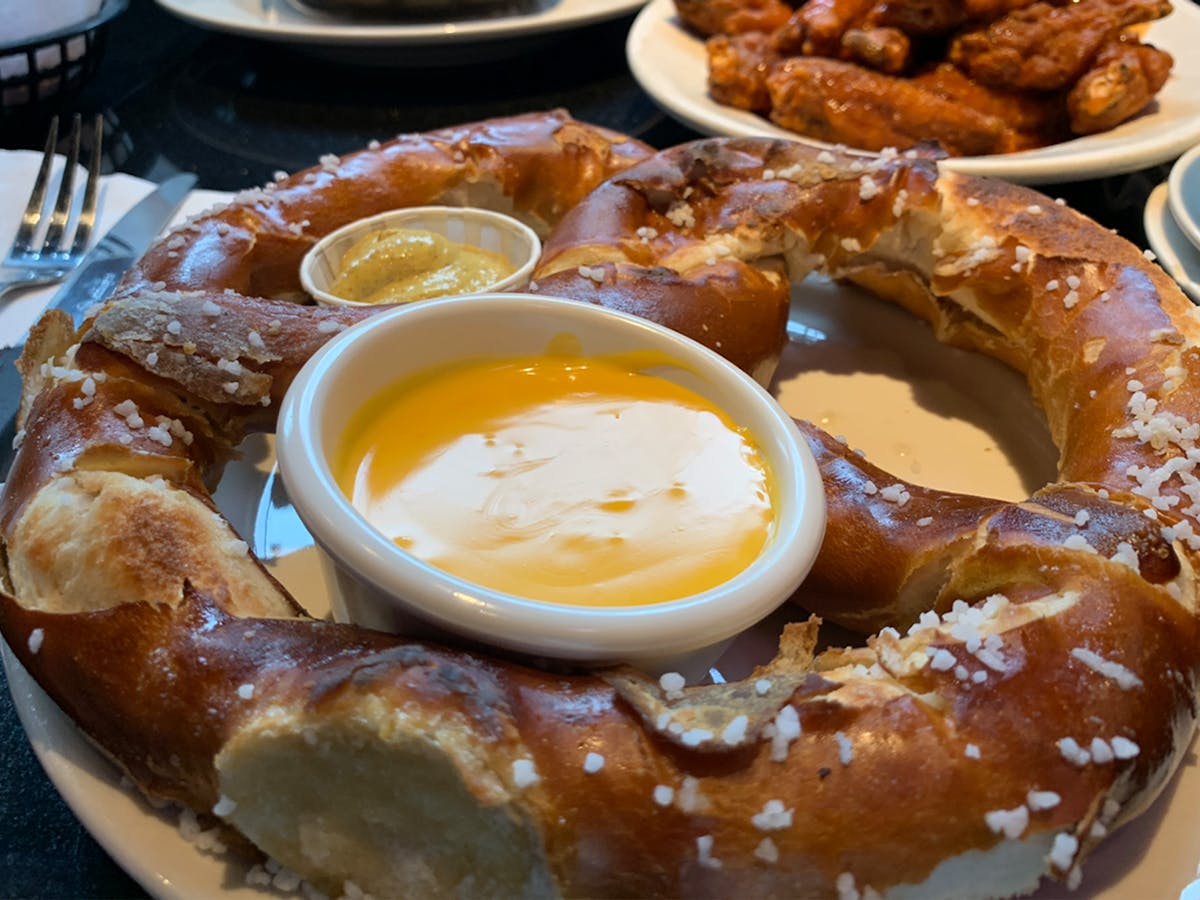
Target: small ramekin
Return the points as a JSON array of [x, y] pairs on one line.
[[464, 225], [381, 586]]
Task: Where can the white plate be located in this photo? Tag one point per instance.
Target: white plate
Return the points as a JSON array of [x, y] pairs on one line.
[[1183, 194], [863, 369], [670, 64], [1175, 252], [278, 20]]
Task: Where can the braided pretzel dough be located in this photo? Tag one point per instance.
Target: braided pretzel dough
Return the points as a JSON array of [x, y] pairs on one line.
[[1030, 687]]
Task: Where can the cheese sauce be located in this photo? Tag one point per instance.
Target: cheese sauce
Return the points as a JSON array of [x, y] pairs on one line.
[[564, 479], [399, 265]]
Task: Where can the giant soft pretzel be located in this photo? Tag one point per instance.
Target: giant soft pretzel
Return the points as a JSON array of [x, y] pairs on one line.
[[1030, 688]]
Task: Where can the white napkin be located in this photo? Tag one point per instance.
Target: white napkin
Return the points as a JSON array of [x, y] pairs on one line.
[[20, 309]]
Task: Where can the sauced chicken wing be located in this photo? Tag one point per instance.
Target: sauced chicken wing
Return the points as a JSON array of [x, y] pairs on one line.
[[840, 102], [816, 28], [976, 76], [1124, 79], [1045, 47], [709, 17], [882, 49], [738, 65]]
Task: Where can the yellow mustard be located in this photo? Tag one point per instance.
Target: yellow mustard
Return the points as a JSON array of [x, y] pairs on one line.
[[398, 265], [564, 479]]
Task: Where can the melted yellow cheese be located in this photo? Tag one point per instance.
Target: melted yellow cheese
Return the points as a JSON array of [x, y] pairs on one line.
[[398, 265], [561, 478]]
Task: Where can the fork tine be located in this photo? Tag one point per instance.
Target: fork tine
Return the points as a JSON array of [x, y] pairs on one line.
[[32, 216], [87, 216], [66, 192]]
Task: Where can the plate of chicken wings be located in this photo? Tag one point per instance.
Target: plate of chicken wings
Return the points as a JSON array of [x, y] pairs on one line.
[[1036, 92]]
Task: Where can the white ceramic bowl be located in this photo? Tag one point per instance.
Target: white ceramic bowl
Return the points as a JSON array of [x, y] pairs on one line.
[[1183, 194], [384, 587], [464, 225]]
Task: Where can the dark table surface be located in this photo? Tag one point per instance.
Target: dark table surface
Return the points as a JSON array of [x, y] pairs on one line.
[[234, 111]]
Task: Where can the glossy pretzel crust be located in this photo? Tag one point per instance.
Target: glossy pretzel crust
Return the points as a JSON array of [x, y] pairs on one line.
[[1031, 682]]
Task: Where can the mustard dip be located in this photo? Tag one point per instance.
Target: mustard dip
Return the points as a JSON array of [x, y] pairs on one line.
[[564, 479], [399, 265]]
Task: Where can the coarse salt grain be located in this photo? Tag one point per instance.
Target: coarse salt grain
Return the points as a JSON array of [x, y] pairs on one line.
[[672, 684], [664, 795], [1009, 822], [971, 751], [774, 817], [767, 851], [784, 729], [1100, 750], [1079, 542], [1041, 800], [1123, 748], [735, 731], [941, 660], [524, 773], [689, 797], [1063, 851], [593, 763], [1125, 679], [681, 215], [592, 273], [246, 691], [845, 748], [1072, 752], [35, 640], [704, 845]]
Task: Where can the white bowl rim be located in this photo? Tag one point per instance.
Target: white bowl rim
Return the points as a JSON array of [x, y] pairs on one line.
[[519, 276], [1187, 216], [531, 626]]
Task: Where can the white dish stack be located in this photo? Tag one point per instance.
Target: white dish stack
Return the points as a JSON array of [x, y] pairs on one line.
[[1172, 222]]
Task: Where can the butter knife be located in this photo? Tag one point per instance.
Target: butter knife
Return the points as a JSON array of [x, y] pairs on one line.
[[91, 282]]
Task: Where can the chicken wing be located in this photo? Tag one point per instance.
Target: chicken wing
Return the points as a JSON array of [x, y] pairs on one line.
[[840, 102], [1124, 79], [737, 70], [1045, 47], [710, 17], [817, 27]]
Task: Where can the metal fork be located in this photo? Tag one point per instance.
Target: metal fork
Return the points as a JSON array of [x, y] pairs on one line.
[[28, 265]]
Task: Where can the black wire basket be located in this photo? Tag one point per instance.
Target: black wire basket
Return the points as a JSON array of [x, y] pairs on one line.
[[44, 69]]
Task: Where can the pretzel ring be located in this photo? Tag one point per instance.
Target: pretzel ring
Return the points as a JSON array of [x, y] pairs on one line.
[[354, 757]]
